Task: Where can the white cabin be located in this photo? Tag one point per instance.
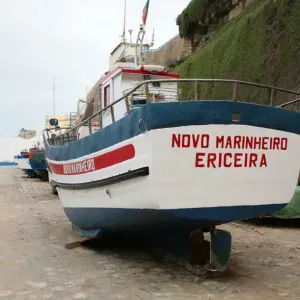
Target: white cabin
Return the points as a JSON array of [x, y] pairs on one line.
[[126, 71]]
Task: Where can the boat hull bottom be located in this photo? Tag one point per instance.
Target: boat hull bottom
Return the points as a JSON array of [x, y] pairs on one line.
[[114, 220], [42, 174], [30, 173]]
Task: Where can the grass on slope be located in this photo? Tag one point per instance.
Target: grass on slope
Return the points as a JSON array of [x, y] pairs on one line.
[[261, 45]]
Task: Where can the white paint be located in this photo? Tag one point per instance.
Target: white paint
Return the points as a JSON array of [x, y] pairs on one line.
[[23, 164], [175, 183], [121, 83], [142, 158], [84, 131]]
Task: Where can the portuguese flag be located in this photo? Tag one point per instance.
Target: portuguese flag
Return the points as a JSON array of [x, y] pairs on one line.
[[145, 12]]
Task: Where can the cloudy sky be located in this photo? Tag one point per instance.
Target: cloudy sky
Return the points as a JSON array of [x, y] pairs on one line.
[[69, 39]]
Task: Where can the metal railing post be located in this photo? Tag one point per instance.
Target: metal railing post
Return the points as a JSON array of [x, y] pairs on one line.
[[100, 120], [196, 90], [112, 112], [234, 91], [90, 126], [68, 137], [147, 93], [272, 97], [127, 104]]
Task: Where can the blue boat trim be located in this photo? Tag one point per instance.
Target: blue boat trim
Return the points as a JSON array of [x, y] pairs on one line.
[[7, 163], [120, 219], [176, 114], [103, 182]]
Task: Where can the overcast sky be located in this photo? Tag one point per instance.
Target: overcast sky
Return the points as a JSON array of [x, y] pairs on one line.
[[69, 39]]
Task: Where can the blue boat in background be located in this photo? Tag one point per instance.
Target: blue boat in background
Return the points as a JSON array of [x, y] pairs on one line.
[[7, 163], [37, 161]]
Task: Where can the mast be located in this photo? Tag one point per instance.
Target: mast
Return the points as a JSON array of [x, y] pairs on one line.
[[141, 35], [124, 25]]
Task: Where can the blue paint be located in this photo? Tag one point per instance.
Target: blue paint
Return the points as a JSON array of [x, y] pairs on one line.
[[221, 246], [175, 114], [20, 156], [38, 166], [118, 219], [88, 233], [7, 163]]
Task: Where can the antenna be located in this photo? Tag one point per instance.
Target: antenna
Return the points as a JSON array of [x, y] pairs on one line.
[[124, 25], [130, 32], [54, 89], [153, 38]]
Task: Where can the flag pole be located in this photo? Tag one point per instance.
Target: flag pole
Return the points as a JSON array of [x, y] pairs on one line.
[[124, 25]]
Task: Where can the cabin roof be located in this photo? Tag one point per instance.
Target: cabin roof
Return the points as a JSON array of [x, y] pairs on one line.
[[140, 71]]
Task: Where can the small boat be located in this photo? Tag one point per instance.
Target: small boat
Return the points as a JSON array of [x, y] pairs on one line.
[[37, 161], [148, 162], [23, 163]]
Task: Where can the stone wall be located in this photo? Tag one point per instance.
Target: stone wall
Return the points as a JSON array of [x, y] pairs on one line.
[[27, 134], [175, 49]]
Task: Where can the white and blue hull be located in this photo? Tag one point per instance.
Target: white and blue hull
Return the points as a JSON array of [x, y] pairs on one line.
[[24, 165], [164, 183]]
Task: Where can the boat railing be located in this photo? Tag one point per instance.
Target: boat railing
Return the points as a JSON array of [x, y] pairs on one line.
[[154, 94], [192, 91]]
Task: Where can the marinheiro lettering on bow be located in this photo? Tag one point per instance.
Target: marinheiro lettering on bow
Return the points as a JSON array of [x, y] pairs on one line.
[[97, 163], [80, 167]]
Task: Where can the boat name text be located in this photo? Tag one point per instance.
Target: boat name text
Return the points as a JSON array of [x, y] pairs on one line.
[[80, 167], [228, 159]]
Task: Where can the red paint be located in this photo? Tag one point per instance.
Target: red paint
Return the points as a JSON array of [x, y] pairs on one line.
[[200, 160], [230, 160], [238, 163], [138, 72], [227, 162], [211, 158], [108, 75], [144, 72], [254, 143], [263, 162], [190, 140], [97, 163]]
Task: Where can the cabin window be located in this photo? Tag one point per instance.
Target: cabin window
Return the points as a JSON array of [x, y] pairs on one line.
[[106, 96], [156, 84]]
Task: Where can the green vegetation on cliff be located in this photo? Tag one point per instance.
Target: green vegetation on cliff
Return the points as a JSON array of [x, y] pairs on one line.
[[261, 45]]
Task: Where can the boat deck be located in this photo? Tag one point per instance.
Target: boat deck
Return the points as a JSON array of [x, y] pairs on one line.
[[34, 263]]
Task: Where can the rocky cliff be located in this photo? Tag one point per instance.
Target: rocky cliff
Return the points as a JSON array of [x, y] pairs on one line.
[[261, 44]]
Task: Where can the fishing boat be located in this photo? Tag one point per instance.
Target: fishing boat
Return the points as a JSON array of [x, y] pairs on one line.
[[148, 162], [23, 163], [37, 161]]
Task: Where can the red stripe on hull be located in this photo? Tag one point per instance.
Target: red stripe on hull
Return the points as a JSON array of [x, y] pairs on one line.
[[95, 164], [144, 72]]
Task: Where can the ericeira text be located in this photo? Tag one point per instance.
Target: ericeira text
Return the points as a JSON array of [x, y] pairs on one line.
[[229, 159], [80, 167]]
